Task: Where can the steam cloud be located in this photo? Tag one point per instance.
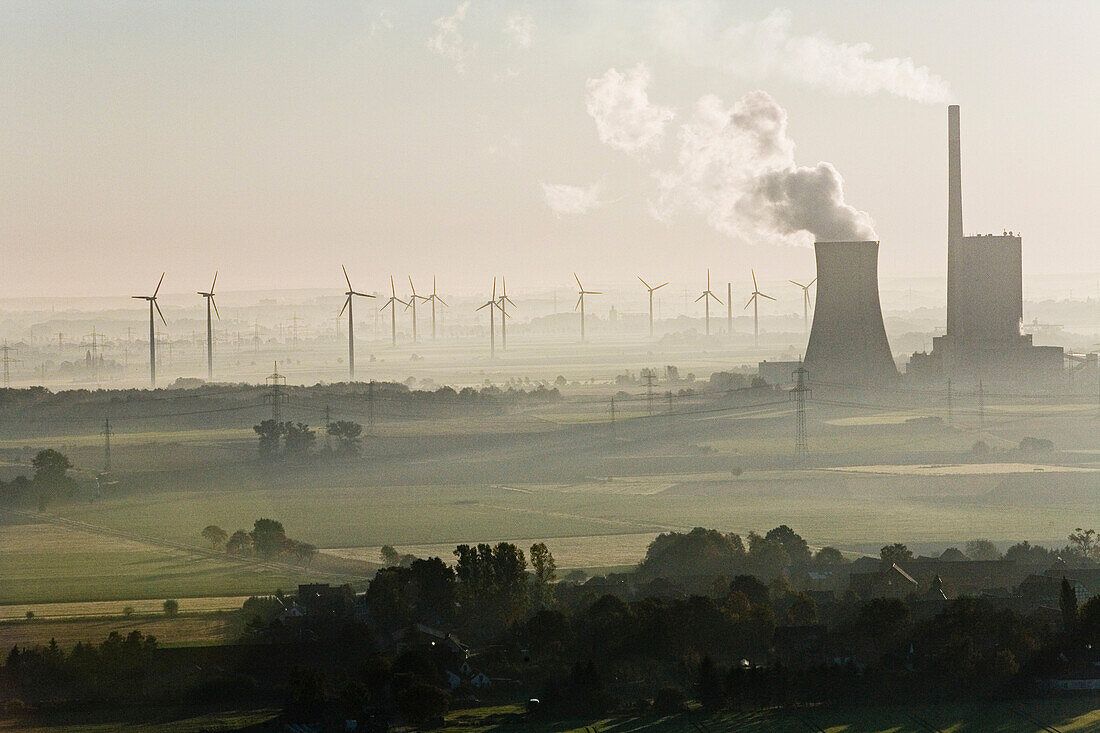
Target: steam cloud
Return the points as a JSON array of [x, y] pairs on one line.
[[625, 118], [448, 41], [565, 199], [520, 29], [761, 48], [736, 167]]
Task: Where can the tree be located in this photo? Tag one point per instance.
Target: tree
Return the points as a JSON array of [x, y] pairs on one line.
[[802, 611], [895, 553], [542, 562], [269, 433], [1083, 542], [298, 439], [432, 583], [268, 537], [171, 607], [1067, 602], [347, 436], [390, 556], [792, 542], [50, 475], [829, 556], [239, 544], [710, 685], [422, 703], [982, 550], [305, 553], [215, 535], [752, 588]]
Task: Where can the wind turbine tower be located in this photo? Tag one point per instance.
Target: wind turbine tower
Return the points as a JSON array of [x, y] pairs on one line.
[[651, 289], [806, 304], [434, 298], [502, 302], [152, 300], [754, 301], [209, 327], [705, 297], [412, 304], [351, 293], [393, 310], [491, 304], [581, 292]]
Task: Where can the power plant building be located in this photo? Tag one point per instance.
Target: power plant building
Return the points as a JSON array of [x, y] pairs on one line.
[[848, 346], [983, 340]]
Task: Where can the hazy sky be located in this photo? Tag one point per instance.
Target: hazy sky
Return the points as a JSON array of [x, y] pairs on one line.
[[277, 140]]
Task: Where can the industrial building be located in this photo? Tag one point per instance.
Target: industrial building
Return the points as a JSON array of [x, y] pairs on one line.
[[848, 346], [984, 340]]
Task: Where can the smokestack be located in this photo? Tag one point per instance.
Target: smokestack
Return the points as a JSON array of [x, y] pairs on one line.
[[848, 345], [954, 219]]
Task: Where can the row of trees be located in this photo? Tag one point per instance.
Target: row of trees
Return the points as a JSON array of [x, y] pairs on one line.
[[51, 480], [297, 439], [267, 540]]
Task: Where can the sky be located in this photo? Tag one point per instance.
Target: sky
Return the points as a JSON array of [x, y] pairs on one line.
[[274, 141]]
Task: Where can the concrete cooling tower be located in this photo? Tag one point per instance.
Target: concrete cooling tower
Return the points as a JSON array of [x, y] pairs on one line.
[[848, 346]]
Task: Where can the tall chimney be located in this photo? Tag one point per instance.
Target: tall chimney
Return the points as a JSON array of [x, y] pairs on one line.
[[954, 222]]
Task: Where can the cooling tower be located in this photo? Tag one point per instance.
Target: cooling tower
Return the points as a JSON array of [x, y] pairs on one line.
[[848, 346]]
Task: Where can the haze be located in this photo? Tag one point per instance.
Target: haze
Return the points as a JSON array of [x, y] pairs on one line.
[[275, 142]]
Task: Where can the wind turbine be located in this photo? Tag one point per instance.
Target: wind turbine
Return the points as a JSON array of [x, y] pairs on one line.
[[501, 302], [705, 297], [754, 301], [412, 304], [435, 298], [393, 310], [581, 292], [152, 331], [209, 328], [491, 304], [805, 303], [351, 293], [651, 289]]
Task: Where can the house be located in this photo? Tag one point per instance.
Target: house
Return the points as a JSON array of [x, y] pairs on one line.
[[1045, 590], [889, 582], [321, 600], [468, 675], [424, 637]]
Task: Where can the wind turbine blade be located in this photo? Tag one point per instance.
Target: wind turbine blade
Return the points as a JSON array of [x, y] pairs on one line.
[[214, 283], [708, 278], [644, 282], [159, 313], [346, 277], [503, 288], [510, 302], [660, 286], [811, 282], [441, 300], [393, 289], [346, 301], [716, 298], [792, 282], [433, 284], [754, 286], [215, 304], [766, 296], [139, 297], [411, 286], [158, 285], [578, 281], [385, 305], [593, 292], [751, 300], [494, 288], [482, 306], [700, 297], [580, 299]]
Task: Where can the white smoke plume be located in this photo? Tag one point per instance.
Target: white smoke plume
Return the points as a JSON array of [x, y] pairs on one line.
[[565, 199], [448, 41], [625, 118], [736, 167], [520, 29], [762, 48]]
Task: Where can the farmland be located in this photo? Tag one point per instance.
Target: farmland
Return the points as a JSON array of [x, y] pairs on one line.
[[596, 492]]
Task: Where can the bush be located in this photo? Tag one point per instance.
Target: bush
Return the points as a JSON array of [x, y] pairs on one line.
[[171, 607], [29, 615], [128, 611], [421, 703]]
